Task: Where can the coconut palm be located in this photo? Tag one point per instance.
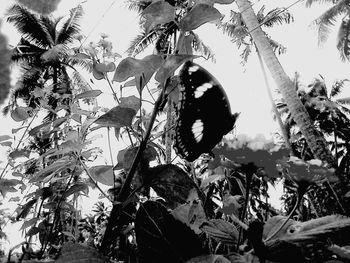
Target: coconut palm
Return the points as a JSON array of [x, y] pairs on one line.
[[316, 142], [43, 55], [340, 8]]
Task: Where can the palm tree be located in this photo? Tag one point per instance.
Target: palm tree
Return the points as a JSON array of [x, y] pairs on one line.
[[43, 55], [316, 142], [327, 20]]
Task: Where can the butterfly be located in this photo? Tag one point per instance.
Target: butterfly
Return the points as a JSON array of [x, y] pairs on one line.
[[204, 113]]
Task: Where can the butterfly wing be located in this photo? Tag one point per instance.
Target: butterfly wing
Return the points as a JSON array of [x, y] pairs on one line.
[[204, 114]]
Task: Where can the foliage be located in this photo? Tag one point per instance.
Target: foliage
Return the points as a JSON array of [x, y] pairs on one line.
[[215, 209]]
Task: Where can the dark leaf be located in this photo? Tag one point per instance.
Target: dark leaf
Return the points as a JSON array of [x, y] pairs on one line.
[[19, 153], [162, 238], [171, 183], [117, 117], [88, 94], [23, 210], [78, 187], [221, 230], [209, 259], [20, 113], [80, 253]]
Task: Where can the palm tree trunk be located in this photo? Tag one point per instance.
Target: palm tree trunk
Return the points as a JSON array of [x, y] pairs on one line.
[[315, 141], [274, 108]]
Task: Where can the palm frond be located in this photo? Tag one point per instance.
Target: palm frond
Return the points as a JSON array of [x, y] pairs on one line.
[[49, 25], [277, 16], [277, 47], [141, 42], [328, 19], [345, 109], [70, 27], [199, 46], [337, 87], [310, 2], [344, 101], [138, 5], [29, 25], [26, 52], [343, 39]]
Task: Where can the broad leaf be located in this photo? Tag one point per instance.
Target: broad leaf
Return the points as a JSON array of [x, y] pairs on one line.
[[23, 210], [8, 185], [117, 117], [170, 65], [221, 230], [162, 238], [171, 183], [130, 67], [199, 15], [126, 157], [6, 144], [159, 12], [130, 102], [105, 67], [20, 113], [80, 253], [88, 94], [102, 174]]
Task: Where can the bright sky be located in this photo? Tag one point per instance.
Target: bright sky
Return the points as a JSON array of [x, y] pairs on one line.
[[244, 86]]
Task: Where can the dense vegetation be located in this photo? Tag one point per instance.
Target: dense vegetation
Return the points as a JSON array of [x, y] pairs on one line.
[[152, 208]]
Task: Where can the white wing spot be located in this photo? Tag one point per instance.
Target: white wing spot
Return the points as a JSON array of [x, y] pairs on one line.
[[193, 69], [197, 130], [201, 89]]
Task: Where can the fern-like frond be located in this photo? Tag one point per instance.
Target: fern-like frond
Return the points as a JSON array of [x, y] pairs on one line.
[[29, 25], [138, 5], [26, 52], [277, 47], [337, 87], [199, 46], [343, 39], [277, 16], [328, 19]]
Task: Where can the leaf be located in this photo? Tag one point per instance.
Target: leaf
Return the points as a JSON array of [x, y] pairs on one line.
[[102, 174], [80, 56], [88, 94], [6, 144], [5, 137], [170, 182], [221, 230], [130, 67], [117, 117], [199, 15], [53, 168], [20, 113], [78, 187], [23, 210], [132, 102], [126, 157], [211, 179], [8, 185], [96, 73], [41, 6], [232, 205], [159, 12], [73, 252], [162, 238], [105, 67], [191, 213], [29, 223], [19, 153], [209, 259], [33, 231], [170, 65]]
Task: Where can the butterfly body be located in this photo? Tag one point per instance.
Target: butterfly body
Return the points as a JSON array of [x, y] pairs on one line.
[[204, 114]]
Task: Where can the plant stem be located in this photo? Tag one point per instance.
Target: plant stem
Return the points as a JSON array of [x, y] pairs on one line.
[[297, 203]]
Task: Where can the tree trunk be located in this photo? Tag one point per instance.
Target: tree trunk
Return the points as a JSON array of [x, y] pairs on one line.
[[314, 140]]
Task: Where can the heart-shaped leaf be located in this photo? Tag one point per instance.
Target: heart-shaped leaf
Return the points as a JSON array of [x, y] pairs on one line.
[[117, 117], [102, 174], [199, 15], [159, 12], [105, 67], [130, 67]]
